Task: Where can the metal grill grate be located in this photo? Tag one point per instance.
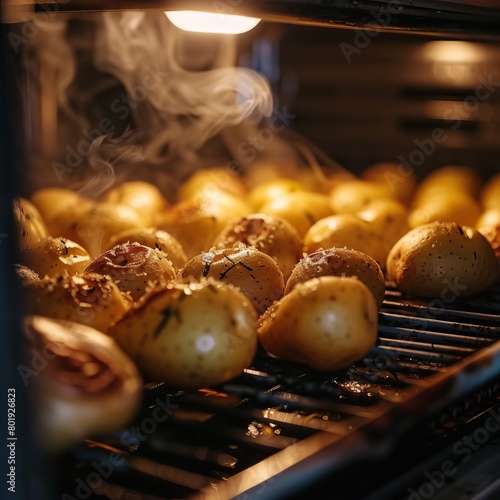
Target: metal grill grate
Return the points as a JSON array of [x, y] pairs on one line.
[[280, 424]]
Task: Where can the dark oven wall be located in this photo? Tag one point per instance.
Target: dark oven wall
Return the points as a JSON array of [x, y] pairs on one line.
[[364, 96]]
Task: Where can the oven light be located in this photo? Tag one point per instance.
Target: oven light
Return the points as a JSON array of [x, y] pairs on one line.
[[206, 22]]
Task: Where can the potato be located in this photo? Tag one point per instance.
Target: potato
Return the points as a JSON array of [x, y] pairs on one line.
[[30, 227], [388, 217], [346, 230], [490, 193], [300, 209], [93, 224], [209, 182], [135, 268], [446, 205], [328, 323], [340, 262], [52, 201], [25, 275], [492, 234], [196, 223], [401, 182], [153, 238], [489, 218], [91, 299], [268, 233], [190, 335], [255, 273], [142, 196], [352, 196], [458, 178], [55, 256], [442, 260], [272, 189]]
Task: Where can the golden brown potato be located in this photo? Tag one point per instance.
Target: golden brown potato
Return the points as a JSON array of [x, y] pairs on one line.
[[55, 256], [442, 260], [448, 206], [196, 223], [190, 336], [209, 182], [30, 226], [400, 181], [142, 196], [346, 230], [268, 233], [488, 218], [340, 262], [91, 299], [388, 217], [134, 268], [86, 385], [352, 196], [453, 178], [301, 209], [51, 201], [255, 273], [272, 189], [156, 239], [328, 323], [97, 226]]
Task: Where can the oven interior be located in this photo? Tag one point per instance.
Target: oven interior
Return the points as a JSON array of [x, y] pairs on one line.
[[426, 397]]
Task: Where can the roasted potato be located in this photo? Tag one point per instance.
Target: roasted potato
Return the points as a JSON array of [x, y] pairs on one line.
[[135, 268], [142, 196], [446, 205], [268, 233], [346, 230], [55, 256], [52, 201], [340, 262], [442, 260], [327, 323], [29, 224], [190, 335], [156, 239], [400, 181], [255, 273], [272, 189], [209, 182], [352, 196], [197, 223], [389, 218], [301, 209], [90, 299]]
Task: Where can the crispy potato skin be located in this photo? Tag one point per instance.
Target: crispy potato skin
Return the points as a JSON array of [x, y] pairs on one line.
[[442, 259], [255, 273], [327, 323], [340, 262]]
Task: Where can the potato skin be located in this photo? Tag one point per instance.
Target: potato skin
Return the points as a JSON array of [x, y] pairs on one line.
[[346, 230], [340, 262], [54, 256], [442, 259], [255, 273], [268, 233], [30, 227], [190, 335], [328, 323]]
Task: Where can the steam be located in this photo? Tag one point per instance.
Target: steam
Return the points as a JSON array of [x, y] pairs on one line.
[[180, 109]]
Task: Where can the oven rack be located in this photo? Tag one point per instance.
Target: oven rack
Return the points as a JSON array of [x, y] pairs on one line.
[[280, 428]]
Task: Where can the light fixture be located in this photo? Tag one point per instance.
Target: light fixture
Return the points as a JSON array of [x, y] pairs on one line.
[[209, 22]]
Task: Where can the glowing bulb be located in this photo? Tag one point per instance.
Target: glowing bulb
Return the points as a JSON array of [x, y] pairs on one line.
[[206, 22]]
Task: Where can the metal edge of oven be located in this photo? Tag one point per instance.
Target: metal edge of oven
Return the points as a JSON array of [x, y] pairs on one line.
[[320, 455]]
